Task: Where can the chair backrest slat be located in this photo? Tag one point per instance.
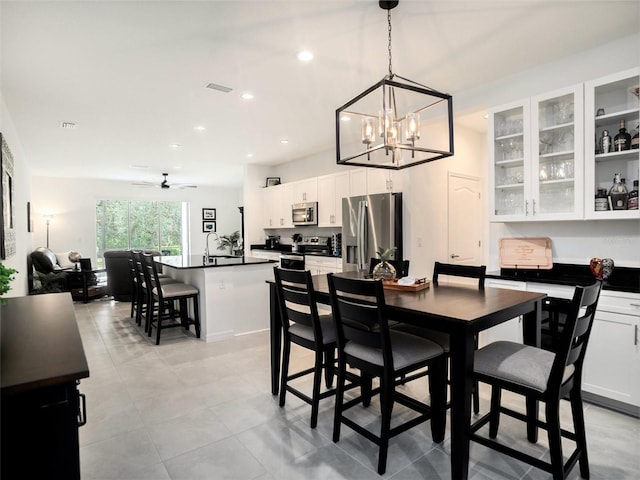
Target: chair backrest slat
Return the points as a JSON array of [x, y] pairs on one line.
[[359, 312], [294, 289], [467, 271], [575, 334]]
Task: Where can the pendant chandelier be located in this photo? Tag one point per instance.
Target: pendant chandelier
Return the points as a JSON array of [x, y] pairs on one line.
[[396, 123]]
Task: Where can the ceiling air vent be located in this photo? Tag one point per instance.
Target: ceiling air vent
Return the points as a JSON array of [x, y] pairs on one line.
[[68, 125], [220, 88]]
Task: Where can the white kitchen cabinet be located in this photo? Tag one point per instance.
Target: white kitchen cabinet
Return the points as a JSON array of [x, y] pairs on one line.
[[305, 190], [369, 181], [331, 190], [277, 206], [609, 100], [612, 363], [536, 158], [318, 265]]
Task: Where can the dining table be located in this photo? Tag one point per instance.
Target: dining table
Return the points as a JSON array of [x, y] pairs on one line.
[[461, 311]]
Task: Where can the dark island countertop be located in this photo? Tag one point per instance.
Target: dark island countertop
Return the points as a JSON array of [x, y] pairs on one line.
[[623, 279], [197, 261], [40, 344]]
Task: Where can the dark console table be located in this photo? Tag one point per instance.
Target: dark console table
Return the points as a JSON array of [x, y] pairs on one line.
[[42, 362]]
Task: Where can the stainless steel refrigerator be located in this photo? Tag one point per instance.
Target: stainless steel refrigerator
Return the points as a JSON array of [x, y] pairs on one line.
[[370, 222]]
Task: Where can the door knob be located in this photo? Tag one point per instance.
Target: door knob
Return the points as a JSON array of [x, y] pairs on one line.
[[453, 255]]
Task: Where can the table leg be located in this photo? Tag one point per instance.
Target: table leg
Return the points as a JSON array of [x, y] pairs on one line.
[[275, 332], [531, 334], [462, 346], [85, 287]]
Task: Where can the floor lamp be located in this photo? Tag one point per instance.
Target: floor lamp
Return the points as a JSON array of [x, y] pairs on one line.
[[47, 219]]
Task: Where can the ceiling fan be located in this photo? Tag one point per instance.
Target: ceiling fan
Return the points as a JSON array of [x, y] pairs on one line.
[[164, 184]]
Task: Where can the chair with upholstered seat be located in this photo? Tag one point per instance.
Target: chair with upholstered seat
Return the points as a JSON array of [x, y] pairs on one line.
[[450, 270], [308, 327], [542, 376], [365, 342], [164, 296], [401, 266]]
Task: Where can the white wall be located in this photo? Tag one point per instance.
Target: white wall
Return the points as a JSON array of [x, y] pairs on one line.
[[22, 194], [73, 201]]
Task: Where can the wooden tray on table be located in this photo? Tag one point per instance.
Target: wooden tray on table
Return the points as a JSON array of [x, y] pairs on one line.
[[420, 284]]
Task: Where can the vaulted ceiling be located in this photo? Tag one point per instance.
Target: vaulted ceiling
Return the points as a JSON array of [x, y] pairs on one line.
[[132, 75]]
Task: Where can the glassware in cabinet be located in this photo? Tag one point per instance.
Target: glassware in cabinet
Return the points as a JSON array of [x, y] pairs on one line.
[[609, 101], [509, 152]]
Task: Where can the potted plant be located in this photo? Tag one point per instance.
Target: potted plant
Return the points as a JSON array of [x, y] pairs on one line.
[[229, 241], [384, 270], [6, 276]]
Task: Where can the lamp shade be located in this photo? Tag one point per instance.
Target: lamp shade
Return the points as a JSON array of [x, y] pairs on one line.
[[395, 124]]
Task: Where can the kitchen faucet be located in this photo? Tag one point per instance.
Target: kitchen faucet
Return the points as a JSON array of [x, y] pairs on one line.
[[206, 248]]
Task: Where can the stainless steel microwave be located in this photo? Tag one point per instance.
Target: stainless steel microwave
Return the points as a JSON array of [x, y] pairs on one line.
[[304, 213]]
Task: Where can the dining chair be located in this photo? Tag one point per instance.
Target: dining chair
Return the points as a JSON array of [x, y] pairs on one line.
[[365, 342], [164, 295], [542, 376], [442, 339], [307, 326], [145, 303], [401, 266]]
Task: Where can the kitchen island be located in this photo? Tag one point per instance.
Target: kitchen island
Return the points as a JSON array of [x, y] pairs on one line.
[[233, 299]]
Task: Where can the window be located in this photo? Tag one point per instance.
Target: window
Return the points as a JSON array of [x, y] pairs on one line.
[[124, 224]]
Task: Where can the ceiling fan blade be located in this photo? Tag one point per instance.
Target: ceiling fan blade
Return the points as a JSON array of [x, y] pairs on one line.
[[183, 185]]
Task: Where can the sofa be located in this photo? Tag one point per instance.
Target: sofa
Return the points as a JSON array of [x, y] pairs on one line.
[[118, 274], [51, 271]]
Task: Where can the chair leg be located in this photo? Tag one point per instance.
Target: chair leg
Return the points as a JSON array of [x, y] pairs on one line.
[[196, 315], [330, 368], [286, 353], [578, 425], [494, 419], [337, 411], [476, 397], [386, 409], [552, 413], [532, 419], [159, 323], [365, 388], [438, 393], [317, 379]]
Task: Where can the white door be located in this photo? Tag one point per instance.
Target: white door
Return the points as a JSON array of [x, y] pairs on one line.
[[464, 220]]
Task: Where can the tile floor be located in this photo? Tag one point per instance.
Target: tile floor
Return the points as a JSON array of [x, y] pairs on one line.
[[192, 410]]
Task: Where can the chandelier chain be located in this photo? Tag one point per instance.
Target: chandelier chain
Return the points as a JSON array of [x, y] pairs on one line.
[[389, 47]]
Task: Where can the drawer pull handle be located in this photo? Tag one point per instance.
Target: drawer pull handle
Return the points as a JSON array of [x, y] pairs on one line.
[[82, 410]]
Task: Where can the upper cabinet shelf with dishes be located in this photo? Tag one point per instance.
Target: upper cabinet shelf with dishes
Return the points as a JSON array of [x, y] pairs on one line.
[[611, 103], [536, 162]]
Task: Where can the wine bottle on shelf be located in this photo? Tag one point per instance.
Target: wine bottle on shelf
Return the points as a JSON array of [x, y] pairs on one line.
[[622, 141], [632, 202], [618, 194], [636, 138], [605, 142]]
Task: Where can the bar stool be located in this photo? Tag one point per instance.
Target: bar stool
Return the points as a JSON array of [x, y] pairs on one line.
[[164, 295], [144, 301]]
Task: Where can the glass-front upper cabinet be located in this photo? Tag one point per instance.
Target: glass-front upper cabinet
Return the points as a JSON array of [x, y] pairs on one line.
[[536, 159], [612, 158], [509, 161], [557, 155]]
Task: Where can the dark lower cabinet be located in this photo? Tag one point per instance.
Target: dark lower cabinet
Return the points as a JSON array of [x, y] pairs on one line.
[[41, 406]]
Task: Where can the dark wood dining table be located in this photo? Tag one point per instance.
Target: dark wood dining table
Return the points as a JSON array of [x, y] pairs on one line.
[[458, 310]]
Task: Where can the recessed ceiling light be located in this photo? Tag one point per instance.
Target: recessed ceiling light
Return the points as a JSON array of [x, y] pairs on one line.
[[249, 155], [247, 96], [284, 141], [486, 116], [68, 125], [305, 56], [200, 128], [175, 145], [139, 167], [345, 118], [177, 167]]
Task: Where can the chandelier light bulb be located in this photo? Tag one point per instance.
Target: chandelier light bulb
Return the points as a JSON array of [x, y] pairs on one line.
[[413, 127], [368, 131]]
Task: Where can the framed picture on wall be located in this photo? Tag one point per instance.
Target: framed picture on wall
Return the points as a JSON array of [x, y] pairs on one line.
[[208, 227], [208, 214], [271, 181]]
